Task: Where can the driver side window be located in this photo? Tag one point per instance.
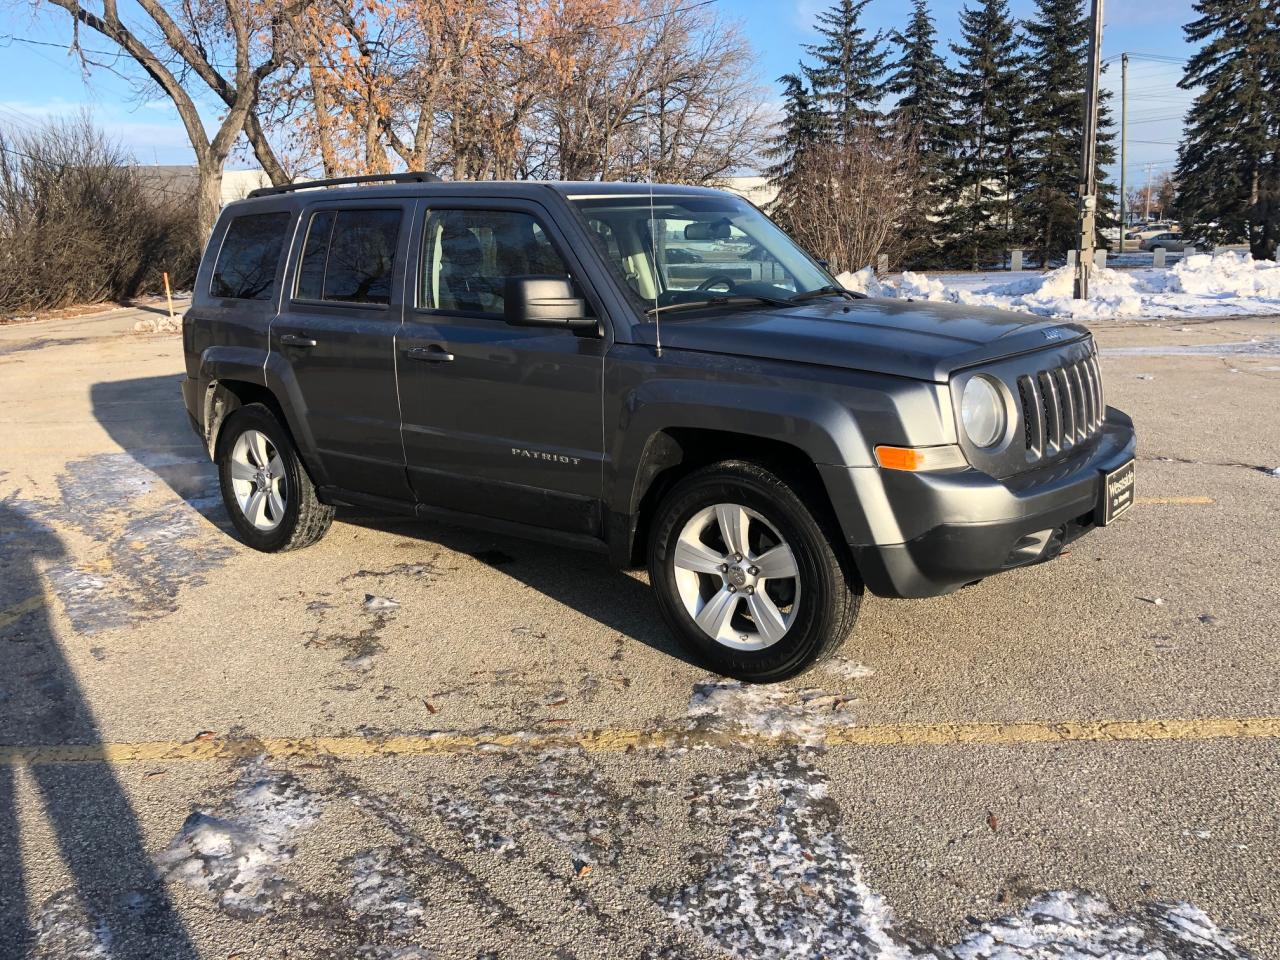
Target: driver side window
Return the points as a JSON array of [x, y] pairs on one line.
[[468, 256]]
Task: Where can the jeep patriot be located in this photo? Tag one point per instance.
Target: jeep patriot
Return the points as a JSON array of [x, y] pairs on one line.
[[658, 373]]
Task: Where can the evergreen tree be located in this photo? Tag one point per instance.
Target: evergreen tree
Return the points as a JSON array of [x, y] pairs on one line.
[[922, 84], [1057, 69], [848, 70], [1229, 160], [984, 166], [801, 127]]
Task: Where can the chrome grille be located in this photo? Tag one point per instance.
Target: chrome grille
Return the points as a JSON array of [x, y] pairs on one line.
[[1061, 407]]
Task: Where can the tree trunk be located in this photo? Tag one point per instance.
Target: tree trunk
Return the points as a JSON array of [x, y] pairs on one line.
[[208, 197]]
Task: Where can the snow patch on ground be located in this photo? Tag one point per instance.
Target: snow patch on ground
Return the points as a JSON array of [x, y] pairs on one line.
[[382, 898], [235, 854], [848, 669], [1228, 284], [772, 711], [64, 930], [790, 888]]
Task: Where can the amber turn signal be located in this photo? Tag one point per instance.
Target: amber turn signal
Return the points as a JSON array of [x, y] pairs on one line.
[[917, 459]]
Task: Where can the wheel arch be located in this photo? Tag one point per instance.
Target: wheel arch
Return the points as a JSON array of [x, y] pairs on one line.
[[672, 453], [224, 396]]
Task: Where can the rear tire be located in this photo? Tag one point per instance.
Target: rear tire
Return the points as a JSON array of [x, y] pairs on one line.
[[266, 489], [746, 576]]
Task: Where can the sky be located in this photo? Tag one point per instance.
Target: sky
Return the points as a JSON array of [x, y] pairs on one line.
[[38, 82]]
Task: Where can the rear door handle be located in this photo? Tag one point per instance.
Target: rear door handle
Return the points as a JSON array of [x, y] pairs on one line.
[[431, 354], [293, 340]]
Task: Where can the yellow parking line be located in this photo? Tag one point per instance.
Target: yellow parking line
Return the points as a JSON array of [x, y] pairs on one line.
[[617, 741], [1175, 500], [9, 614]]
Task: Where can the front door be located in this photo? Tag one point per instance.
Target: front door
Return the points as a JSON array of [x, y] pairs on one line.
[[498, 420], [337, 337]]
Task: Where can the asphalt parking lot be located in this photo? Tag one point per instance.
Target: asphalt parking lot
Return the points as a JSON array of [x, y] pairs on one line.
[[413, 740]]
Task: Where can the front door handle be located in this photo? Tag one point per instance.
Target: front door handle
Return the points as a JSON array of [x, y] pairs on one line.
[[293, 340], [431, 354]]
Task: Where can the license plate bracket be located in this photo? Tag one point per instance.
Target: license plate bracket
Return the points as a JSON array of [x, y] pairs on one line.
[[1118, 487]]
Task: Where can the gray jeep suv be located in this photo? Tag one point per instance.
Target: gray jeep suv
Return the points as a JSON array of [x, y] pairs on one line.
[[657, 373]]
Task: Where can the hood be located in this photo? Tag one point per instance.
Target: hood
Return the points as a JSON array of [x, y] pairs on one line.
[[924, 340]]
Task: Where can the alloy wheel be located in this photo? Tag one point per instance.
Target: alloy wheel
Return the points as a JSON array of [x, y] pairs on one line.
[[737, 577], [257, 477]]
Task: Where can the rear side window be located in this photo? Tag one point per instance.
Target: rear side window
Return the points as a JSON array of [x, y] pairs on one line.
[[349, 255], [250, 256]]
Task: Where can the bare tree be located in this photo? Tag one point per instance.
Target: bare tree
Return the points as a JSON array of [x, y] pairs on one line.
[[571, 89], [645, 88], [174, 43], [846, 203]]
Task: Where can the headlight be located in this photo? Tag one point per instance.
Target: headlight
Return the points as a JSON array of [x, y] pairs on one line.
[[982, 411]]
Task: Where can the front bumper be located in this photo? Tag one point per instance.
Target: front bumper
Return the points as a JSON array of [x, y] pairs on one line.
[[947, 530]]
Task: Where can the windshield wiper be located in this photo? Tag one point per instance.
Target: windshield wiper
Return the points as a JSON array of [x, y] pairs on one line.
[[829, 290], [728, 300]]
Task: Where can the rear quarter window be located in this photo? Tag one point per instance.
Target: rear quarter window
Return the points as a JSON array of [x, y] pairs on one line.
[[250, 256]]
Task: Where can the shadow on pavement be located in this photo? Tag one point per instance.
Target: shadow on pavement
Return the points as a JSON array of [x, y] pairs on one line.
[[582, 581], [118, 897], [147, 419]]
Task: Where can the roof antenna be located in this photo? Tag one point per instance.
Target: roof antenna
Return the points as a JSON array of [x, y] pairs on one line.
[[653, 238]]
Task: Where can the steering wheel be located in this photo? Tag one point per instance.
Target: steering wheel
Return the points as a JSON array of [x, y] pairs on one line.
[[716, 279]]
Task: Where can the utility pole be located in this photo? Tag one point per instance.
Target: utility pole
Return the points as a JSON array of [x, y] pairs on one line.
[[1124, 136], [1088, 156], [1146, 208]]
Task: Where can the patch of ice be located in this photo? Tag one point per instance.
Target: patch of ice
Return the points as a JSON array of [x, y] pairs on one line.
[[773, 711], [1228, 284], [790, 888], [65, 930], [235, 854]]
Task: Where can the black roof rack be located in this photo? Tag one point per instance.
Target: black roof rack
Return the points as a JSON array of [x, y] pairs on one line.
[[413, 176]]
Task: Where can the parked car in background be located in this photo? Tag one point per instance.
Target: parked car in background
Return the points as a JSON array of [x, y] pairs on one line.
[[681, 255], [1169, 242], [1143, 231]]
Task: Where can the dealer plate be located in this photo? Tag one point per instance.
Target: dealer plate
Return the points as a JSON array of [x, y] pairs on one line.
[[1117, 492]]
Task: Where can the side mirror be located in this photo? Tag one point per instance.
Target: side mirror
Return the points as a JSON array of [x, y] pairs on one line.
[[544, 302]]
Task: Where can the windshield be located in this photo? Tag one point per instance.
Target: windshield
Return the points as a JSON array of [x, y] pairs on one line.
[[697, 249]]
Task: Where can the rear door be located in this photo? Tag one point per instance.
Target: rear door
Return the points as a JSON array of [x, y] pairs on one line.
[[500, 421], [336, 340]]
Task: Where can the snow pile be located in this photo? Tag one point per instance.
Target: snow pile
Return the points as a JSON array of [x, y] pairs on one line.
[[158, 325], [1227, 275], [774, 711], [789, 887], [1229, 284], [236, 855]]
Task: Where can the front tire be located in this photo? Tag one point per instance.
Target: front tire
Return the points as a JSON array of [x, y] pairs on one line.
[[746, 577], [266, 489]]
